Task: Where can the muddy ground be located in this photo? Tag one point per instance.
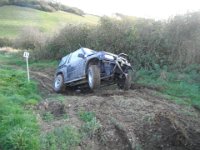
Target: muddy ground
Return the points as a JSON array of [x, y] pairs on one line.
[[136, 119]]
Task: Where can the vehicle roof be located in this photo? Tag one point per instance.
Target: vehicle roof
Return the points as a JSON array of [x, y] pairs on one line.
[[87, 50]]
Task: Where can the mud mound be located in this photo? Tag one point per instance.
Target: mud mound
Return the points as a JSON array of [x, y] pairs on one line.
[[54, 107], [168, 131]]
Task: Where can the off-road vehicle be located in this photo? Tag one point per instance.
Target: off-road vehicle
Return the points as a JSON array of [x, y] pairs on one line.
[[86, 67]]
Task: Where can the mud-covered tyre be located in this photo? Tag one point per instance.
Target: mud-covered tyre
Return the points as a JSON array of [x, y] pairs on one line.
[[59, 83], [125, 83], [93, 75]]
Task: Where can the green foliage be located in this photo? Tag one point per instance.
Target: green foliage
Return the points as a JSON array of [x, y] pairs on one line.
[[148, 42], [60, 138], [69, 39]]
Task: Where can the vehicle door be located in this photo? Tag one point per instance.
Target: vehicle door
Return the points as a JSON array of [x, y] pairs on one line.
[[76, 65], [65, 67]]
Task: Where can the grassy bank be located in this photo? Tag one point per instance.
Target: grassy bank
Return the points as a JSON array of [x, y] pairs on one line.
[[183, 88], [19, 128]]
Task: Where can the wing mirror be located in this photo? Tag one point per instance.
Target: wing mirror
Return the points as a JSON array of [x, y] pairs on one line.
[[81, 55]]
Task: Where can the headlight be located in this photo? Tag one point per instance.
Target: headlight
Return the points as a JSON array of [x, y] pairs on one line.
[[109, 57]]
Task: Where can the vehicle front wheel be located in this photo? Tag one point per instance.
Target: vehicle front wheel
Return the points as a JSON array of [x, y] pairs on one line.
[[93, 77], [59, 83]]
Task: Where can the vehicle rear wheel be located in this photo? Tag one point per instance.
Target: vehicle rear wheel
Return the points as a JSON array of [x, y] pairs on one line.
[[59, 83], [93, 77], [125, 83]]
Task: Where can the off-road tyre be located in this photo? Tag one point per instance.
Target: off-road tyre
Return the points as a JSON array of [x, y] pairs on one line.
[[93, 76], [59, 86], [125, 83]]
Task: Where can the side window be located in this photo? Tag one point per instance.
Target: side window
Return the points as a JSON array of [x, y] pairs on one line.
[[64, 59], [74, 55]]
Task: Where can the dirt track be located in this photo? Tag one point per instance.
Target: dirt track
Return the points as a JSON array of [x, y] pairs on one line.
[[135, 119]]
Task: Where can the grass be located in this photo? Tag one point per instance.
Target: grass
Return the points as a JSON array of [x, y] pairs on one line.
[[18, 127], [14, 19], [61, 138], [86, 116], [183, 88], [16, 60], [91, 124]]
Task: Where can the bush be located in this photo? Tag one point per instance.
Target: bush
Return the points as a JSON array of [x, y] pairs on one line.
[[5, 42], [30, 38], [69, 39], [147, 42]]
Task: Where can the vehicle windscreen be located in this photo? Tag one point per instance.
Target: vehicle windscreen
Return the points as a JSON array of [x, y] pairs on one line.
[[89, 51]]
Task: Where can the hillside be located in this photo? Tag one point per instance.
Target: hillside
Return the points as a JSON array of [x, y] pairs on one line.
[[13, 19]]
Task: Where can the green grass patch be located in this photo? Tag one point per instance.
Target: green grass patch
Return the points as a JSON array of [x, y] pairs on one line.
[[13, 84], [86, 116], [183, 88], [60, 138], [91, 124], [9, 60], [18, 127]]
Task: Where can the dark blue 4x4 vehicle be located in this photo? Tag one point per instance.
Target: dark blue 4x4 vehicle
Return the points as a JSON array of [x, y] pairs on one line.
[[86, 67]]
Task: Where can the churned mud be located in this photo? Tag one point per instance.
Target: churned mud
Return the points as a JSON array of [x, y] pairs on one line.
[[136, 119]]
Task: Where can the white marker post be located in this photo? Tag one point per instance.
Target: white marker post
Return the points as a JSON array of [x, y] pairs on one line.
[[26, 55]]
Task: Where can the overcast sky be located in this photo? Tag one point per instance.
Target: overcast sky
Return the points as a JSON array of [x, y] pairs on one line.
[[157, 9]]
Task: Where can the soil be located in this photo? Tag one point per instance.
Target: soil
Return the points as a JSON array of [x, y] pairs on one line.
[[130, 120]]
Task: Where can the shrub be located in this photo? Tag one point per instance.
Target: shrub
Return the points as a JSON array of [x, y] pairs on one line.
[[69, 39], [5, 42], [30, 38], [147, 42]]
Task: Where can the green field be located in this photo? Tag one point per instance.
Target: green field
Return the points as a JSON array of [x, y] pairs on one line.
[[13, 19]]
